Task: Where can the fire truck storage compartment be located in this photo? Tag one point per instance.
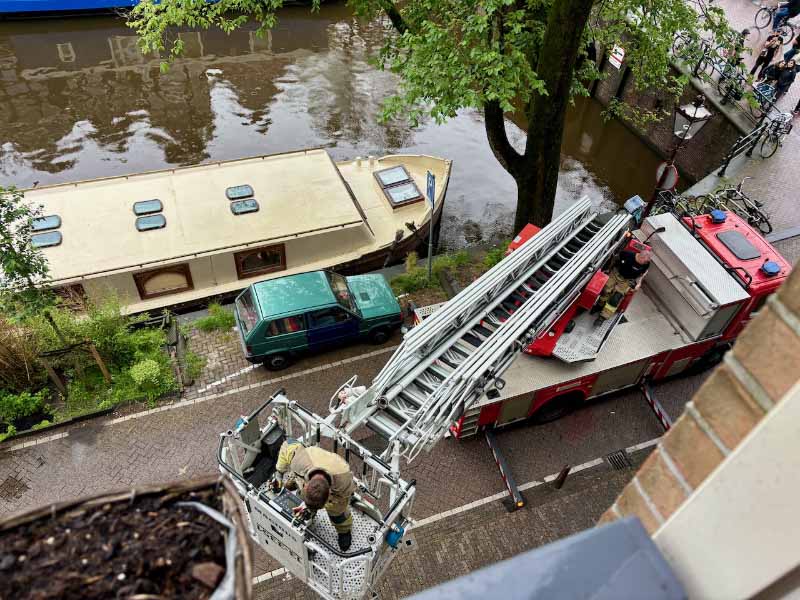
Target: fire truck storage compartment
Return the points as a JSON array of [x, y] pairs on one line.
[[687, 280]]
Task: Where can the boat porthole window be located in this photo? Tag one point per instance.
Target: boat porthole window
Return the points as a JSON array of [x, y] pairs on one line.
[[147, 207], [242, 207], [237, 192], [150, 222], [45, 223], [45, 240], [397, 186]]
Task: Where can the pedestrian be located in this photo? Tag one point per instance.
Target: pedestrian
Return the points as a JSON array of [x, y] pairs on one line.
[[783, 74], [787, 11], [794, 49], [767, 54]]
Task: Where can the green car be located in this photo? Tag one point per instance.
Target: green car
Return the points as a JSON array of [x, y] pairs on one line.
[[281, 318]]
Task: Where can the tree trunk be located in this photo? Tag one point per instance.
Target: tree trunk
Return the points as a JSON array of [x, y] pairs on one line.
[[538, 174]]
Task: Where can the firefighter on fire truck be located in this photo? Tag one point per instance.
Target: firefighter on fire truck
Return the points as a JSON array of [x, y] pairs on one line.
[[325, 482], [626, 275]]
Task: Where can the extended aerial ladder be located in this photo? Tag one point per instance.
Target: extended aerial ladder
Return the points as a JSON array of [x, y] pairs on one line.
[[454, 358]]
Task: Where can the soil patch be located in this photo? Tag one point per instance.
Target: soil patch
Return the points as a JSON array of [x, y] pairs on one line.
[[147, 546]]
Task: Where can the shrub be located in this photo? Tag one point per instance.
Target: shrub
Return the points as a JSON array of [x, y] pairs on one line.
[[152, 379], [41, 425], [16, 406], [218, 318], [18, 349], [10, 431], [411, 282]]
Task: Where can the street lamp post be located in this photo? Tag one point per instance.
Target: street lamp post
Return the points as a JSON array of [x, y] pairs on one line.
[[687, 121]]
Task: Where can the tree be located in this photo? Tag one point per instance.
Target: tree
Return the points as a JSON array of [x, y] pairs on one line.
[[495, 56], [22, 266]]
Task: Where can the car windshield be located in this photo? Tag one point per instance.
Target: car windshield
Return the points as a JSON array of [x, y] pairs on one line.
[[342, 292], [248, 313]]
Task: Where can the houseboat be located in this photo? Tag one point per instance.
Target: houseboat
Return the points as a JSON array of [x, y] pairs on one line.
[[175, 237]]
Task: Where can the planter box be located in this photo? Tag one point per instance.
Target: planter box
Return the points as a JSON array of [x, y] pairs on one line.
[[151, 540]]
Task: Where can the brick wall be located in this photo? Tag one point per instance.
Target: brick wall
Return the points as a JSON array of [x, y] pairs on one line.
[[761, 368], [700, 155]]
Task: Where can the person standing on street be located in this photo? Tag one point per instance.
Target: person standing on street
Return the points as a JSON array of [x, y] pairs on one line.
[[793, 50], [783, 74], [767, 54]]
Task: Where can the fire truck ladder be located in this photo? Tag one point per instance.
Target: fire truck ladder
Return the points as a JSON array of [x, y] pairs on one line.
[[459, 353]]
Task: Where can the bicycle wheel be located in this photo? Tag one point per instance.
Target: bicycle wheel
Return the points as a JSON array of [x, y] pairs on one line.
[[760, 220], [786, 31], [763, 18], [770, 145]]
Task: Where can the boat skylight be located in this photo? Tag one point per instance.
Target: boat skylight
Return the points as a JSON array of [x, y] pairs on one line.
[[147, 207], [150, 222], [393, 176], [398, 186], [238, 192], [242, 207], [45, 223], [45, 240]]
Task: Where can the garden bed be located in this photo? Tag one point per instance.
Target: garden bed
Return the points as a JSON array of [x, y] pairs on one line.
[[144, 542], [88, 365]]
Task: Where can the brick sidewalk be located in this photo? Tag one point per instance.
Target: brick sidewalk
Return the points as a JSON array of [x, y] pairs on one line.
[[462, 543]]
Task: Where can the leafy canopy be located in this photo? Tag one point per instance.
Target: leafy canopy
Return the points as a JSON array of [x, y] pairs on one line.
[[453, 54], [22, 266]]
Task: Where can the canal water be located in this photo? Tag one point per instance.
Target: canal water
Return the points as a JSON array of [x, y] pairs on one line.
[[78, 101]]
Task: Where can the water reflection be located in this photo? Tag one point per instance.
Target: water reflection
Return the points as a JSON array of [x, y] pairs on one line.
[[78, 100]]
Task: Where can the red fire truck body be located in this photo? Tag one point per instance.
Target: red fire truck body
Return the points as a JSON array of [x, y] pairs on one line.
[[709, 276]]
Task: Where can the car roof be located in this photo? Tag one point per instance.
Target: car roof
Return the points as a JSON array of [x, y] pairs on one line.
[[293, 294]]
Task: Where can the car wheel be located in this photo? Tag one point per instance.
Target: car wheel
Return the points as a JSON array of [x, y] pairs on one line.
[[276, 362], [379, 336]]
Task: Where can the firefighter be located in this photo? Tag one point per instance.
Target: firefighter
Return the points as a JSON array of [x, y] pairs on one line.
[[325, 481], [625, 276]]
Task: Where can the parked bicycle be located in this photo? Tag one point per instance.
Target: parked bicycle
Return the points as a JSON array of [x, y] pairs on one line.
[[779, 128], [764, 18], [736, 201], [731, 83]]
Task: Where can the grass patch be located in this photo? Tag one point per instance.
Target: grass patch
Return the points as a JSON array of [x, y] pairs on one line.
[[218, 319]]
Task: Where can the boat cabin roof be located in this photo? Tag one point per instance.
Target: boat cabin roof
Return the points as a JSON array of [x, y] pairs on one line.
[[293, 294], [113, 224]]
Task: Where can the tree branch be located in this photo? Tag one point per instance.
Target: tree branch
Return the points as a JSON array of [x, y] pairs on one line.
[[498, 138], [394, 16]]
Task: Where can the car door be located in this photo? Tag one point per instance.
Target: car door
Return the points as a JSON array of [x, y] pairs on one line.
[[330, 326]]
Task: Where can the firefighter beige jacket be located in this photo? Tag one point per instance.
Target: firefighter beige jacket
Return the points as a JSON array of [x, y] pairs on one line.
[[300, 462]]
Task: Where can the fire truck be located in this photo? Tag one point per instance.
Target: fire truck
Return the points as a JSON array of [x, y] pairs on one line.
[[521, 341]]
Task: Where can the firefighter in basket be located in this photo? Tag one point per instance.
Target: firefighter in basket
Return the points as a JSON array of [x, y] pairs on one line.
[[626, 275], [325, 481]]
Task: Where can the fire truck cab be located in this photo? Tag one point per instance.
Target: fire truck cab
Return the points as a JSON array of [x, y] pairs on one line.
[[709, 276]]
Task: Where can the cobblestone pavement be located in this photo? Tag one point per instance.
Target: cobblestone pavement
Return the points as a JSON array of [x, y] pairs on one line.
[[460, 544], [181, 442], [774, 179]]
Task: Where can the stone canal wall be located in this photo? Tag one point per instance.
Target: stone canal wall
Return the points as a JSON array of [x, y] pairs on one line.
[[700, 155]]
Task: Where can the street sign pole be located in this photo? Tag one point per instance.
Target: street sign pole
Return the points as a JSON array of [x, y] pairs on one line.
[[431, 196]]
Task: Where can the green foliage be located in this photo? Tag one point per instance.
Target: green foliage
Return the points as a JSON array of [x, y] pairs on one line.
[[41, 425], [10, 432], [193, 365], [413, 281], [152, 379], [218, 319], [450, 262], [495, 255], [22, 267], [15, 406]]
